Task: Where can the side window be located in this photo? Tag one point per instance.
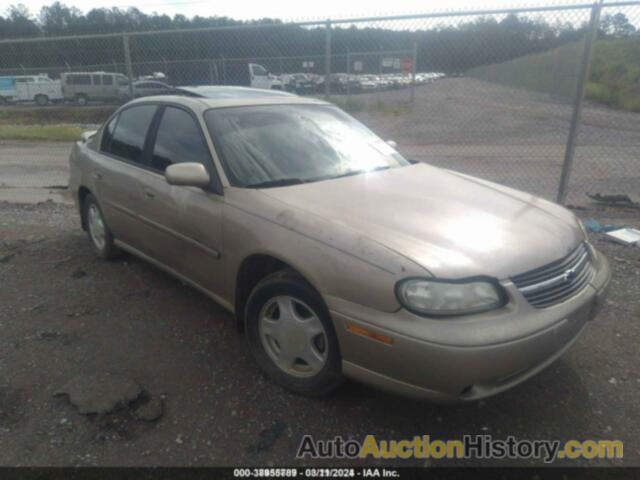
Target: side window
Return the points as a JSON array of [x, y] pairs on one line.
[[96, 79], [179, 140], [79, 79], [107, 135], [258, 70], [131, 131], [107, 80]]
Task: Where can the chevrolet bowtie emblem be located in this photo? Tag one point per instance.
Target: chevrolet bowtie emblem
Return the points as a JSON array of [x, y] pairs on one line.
[[569, 275]]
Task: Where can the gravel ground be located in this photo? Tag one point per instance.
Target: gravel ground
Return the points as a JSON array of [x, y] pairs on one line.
[[66, 316], [511, 136]]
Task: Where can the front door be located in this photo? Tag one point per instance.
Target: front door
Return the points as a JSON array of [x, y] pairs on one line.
[[187, 220]]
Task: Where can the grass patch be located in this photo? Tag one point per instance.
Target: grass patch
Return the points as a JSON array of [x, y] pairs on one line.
[[390, 109], [614, 78], [56, 115], [49, 133]]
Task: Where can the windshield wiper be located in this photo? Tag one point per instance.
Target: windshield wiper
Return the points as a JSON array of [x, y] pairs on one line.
[[283, 182], [278, 182], [349, 174]]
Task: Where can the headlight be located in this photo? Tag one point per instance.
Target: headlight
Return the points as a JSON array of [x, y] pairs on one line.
[[435, 297]]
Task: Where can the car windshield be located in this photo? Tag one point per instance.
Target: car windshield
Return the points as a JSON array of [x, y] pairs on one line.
[[276, 145]]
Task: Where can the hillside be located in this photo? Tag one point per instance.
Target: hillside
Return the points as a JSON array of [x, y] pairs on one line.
[[614, 78]]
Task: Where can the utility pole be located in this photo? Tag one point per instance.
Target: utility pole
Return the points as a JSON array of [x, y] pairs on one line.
[[327, 60], [127, 62]]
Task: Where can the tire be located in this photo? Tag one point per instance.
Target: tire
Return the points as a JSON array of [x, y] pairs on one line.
[[97, 229], [281, 349], [41, 100], [82, 99]]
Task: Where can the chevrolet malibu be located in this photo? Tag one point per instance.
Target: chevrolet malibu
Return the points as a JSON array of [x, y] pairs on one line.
[[338, 257]]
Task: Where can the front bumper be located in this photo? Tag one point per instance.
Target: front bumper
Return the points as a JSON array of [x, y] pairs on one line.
[[466, 358]]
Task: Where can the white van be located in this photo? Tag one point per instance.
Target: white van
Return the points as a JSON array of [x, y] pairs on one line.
[[81, 87], [30, 88]]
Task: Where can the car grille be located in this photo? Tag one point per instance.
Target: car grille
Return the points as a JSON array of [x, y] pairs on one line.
[[556, 282]]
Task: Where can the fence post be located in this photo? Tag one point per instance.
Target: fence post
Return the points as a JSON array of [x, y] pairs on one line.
[[414, 62], [327, 60], [210, 62], [348, 74], [583, 76], [127, 62]]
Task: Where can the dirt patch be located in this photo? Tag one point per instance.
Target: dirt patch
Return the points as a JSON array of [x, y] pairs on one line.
[[217, 409], [100, 393]]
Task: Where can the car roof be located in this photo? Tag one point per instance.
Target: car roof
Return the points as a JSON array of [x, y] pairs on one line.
[[225, 96], [226, 91]]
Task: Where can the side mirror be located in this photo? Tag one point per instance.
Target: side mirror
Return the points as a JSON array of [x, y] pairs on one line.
[[392, 143], [187, 174]]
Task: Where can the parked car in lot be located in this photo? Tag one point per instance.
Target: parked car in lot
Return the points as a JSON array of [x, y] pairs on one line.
[[145, 88], [339, 257], [367, 84], [82, 87], [29, 88], [299, 83]]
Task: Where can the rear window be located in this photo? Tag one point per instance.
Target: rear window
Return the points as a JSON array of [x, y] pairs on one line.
[[130, 133]]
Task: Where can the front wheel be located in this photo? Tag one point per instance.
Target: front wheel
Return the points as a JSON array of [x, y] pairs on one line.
[[291, 335], [41, 100]]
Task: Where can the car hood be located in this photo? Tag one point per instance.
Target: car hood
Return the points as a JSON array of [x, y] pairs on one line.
[[453, 225]]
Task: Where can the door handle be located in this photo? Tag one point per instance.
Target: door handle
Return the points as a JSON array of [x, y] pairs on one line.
[[149, 193]]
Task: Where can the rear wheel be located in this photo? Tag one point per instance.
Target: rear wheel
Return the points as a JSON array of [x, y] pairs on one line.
[[82, 99], [97, 229], [291, 335], [41, 100]]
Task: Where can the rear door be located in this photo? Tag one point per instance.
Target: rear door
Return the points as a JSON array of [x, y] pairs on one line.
[[186, 221], [117, 169]]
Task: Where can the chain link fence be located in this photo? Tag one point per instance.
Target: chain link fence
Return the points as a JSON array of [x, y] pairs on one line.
[[497, 94]]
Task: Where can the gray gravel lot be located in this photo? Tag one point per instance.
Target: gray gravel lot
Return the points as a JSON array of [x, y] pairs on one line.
[[511, 136], [66, 315]]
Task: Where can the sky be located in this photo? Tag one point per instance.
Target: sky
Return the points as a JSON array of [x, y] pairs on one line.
[[288, 9]]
